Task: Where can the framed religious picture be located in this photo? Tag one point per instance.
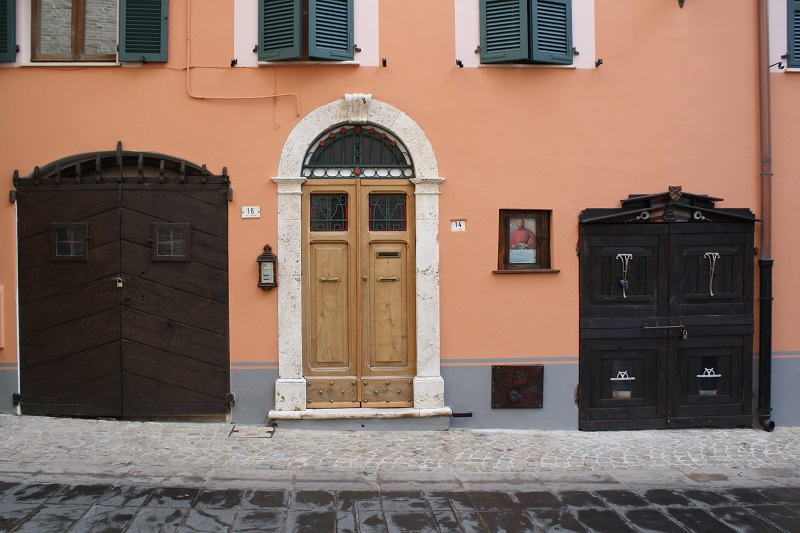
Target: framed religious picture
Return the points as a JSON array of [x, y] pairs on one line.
[[524, 243]]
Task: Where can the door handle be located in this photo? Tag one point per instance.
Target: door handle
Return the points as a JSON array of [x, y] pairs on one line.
[[388, 278], [684, 333], [322, 278]]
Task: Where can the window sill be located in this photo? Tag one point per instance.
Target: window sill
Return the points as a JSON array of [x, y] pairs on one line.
[[71, 64], [527, 271], [525, 65], [792, 69], [295, 63]]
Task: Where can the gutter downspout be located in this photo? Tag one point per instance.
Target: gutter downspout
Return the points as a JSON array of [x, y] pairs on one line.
[[765, 261]]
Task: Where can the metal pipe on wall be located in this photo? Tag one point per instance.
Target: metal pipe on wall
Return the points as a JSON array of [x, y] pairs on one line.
[[765, 261]]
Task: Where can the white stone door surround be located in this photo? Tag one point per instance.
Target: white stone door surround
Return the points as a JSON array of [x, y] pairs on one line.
[[290, 388]]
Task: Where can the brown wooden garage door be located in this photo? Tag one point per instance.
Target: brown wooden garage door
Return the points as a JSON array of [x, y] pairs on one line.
[[123, 271]]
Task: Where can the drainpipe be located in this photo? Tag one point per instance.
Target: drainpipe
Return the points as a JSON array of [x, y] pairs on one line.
[[765, 261]]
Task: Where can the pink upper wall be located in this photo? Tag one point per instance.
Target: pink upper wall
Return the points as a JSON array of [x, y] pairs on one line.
[[675, 103]]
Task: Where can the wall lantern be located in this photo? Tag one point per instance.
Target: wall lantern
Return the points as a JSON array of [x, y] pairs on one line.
[[681, 2], [267, 262]]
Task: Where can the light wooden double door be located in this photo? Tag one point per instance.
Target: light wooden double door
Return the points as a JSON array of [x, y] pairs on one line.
[[359, 323]]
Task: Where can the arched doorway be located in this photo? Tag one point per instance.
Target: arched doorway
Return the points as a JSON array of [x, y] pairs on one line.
[[123, 267], [291, 389]]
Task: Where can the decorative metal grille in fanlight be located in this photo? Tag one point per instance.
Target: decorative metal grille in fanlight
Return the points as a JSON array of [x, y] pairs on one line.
[[357, 151]]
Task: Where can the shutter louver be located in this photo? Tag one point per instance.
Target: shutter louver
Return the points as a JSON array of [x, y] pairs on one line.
[[504, 30], [143, 32], [279, 30], [794, 34], [8, 22], [331, 29], [551, 31]]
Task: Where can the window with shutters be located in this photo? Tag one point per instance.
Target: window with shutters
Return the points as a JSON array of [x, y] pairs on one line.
[[8, 40], [99, 30], [794, 33], [526, 31], [305, 30]]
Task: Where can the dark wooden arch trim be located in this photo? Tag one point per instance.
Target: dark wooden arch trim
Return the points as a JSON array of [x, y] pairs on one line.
[[117, 167]]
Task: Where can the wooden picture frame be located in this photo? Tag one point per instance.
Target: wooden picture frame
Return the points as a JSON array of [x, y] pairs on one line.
[[524, 241]]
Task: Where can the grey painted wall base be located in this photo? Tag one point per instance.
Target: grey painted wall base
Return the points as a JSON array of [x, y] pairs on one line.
[[469, 389], [9, 384], [254, 391]]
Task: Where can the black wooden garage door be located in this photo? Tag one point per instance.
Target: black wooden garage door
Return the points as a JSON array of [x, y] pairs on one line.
[[666, 314], [123, 288]]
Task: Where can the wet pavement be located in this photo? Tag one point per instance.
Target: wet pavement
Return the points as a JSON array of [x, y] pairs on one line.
[[97, 475]]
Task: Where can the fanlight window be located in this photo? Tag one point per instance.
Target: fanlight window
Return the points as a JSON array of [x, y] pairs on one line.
[[357, 151]]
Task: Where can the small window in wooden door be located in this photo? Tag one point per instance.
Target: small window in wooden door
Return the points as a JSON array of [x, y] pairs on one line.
[[69, 241], [172, 242]]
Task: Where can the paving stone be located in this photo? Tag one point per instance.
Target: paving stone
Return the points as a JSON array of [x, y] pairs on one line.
[[580, 498], [537, 499], [52, 519], [12, 514], [312, 500], [259, 520], [507, 521], [446, 521], [125, 496], [666, 497], [79, 495], [556, 520], [310, 521], [621, 498], [494, 501], [206, 520], [603, 521], [745, 519], [33, 493], [104, 519], [172, 497], [697, 520], [257, 499], [405, 521], [152, 519], [218, 499], [652, 520], [706, 497], [450, 500]]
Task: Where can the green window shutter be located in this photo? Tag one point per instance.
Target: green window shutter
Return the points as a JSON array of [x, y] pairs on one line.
[[279, 29], [330, 24], [551, 31], [794, 33], [8, 24], [504, 30], [143, 29]]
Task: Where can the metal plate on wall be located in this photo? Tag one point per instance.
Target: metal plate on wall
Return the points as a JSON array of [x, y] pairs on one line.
[[517, 386]]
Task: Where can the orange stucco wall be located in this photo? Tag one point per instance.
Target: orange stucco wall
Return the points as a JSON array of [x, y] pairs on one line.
[[674, 103]]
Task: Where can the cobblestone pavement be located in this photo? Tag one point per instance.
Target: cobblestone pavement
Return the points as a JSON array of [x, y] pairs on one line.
[[59, 474]]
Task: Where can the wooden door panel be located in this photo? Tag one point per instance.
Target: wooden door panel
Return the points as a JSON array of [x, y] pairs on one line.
[[66, 339], [83, 301], [696, 292], [69, 206], [330, 273], [148, 397], [172, 336], [46, 279], [54, 379], [176, 206], [624, 274], [707, 376], [167, 302], [386, 331], [195, 278], [174, 370], [98, 398]]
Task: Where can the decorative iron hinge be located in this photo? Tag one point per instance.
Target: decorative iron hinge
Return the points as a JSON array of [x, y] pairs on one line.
[[229, 398], [16, 398]]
